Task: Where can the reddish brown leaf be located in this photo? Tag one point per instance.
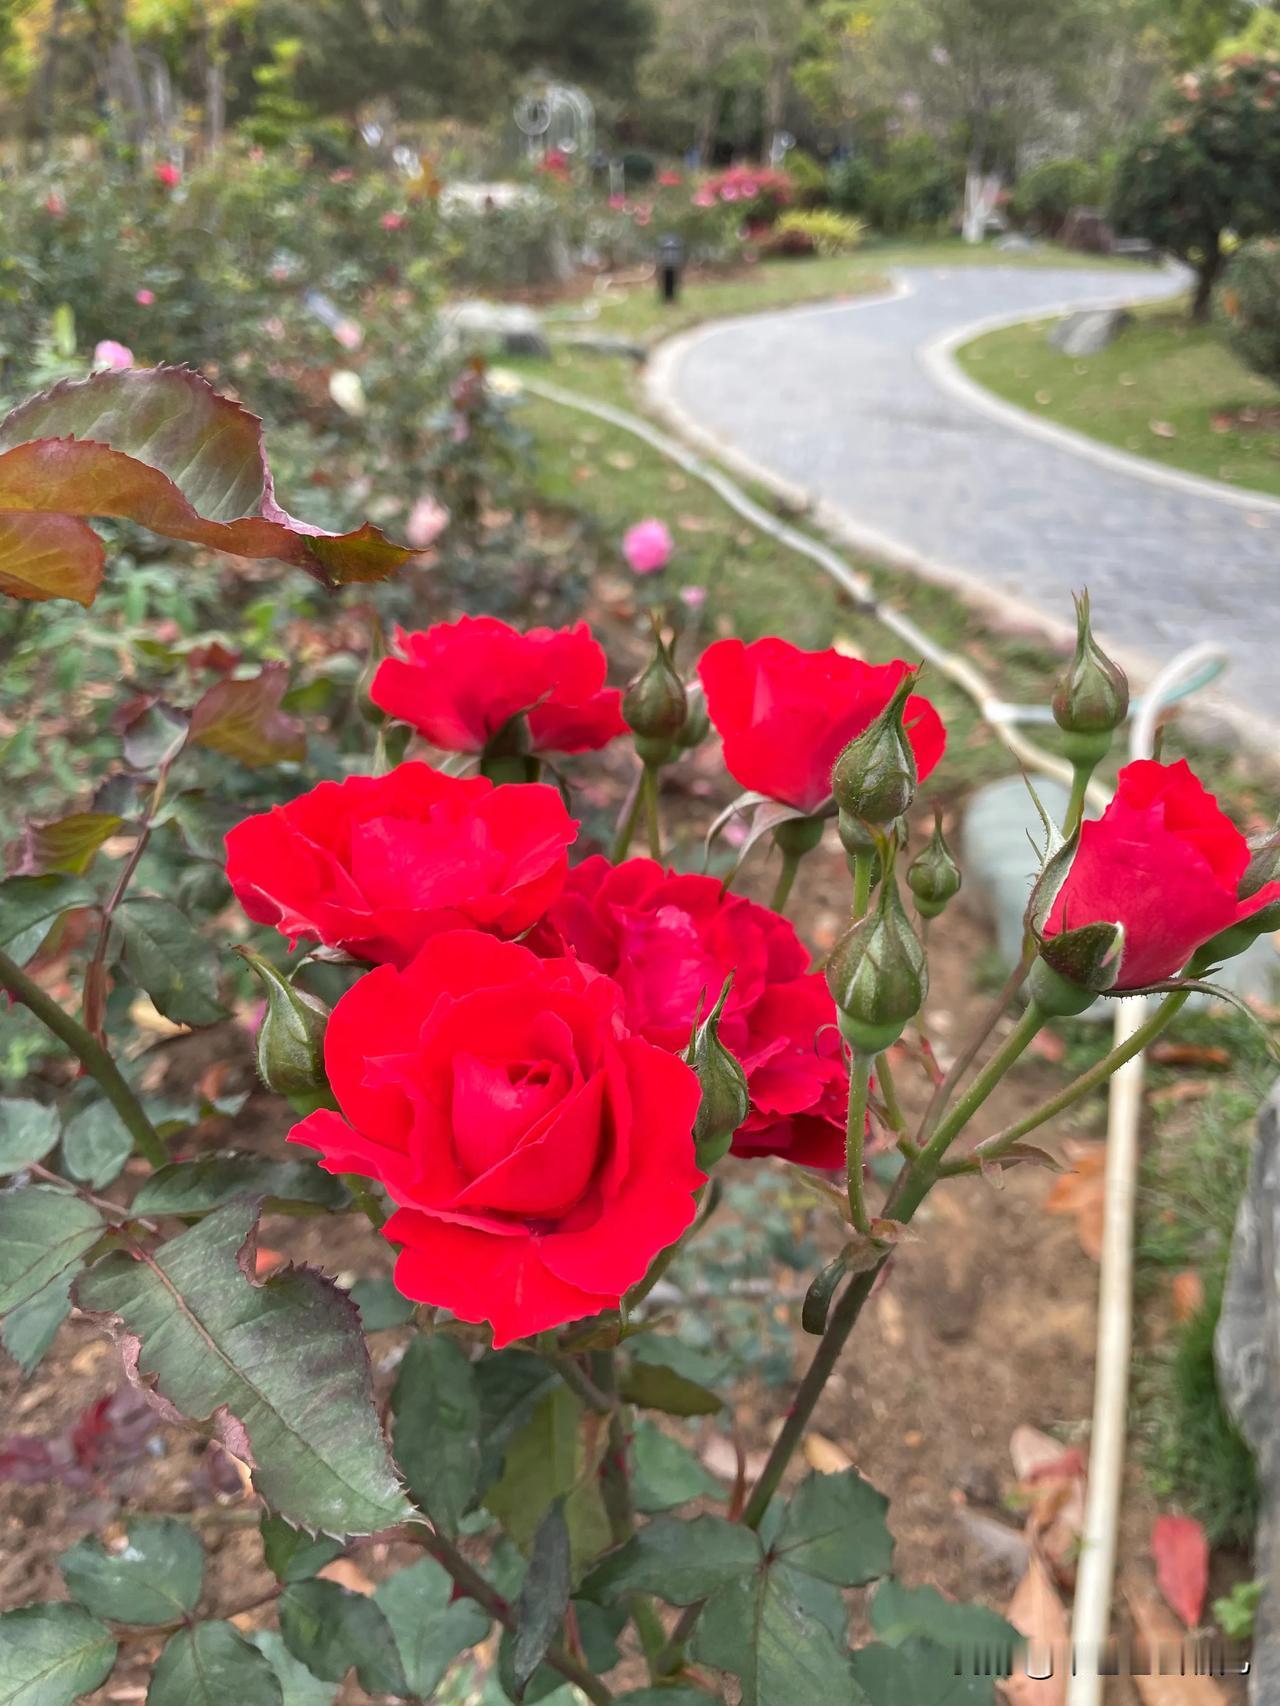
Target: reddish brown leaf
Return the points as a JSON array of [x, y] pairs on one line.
[[1181, 1552], [1207, 1056], [1162, 1656], [1187, 1294], [1082, 1194], [1037, 1612], [243, 719], [49, 556]]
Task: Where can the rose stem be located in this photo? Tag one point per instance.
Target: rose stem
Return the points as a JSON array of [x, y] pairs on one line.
[[786, 878], [863, 865], [631, 817], [965, 1059], [889, 1095], [855, 1132], [615, 1490], [474, 1586], [649, 789], [91, 1055], [578, 1381]]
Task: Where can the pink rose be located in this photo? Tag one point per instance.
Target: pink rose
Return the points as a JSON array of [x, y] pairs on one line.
[[427, 521], [392, 221], [112, 355], [144, 298], [647, 546]]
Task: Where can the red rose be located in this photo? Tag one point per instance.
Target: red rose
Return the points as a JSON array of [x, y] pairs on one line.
[[666, 940], [461, 682], [1165, 862], [539, 1156], [786, 715], [377, 864]]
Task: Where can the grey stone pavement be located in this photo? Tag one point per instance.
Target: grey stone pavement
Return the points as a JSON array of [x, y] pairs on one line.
[[840, 401]]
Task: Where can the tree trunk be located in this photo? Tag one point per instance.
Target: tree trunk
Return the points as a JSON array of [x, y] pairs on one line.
[[1206, 277]]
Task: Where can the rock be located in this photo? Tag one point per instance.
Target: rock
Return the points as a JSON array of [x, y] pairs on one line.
[[506, 327], [1016, 244], [1089, 330], [1087, 228], [1248, 1357], [599, 343]]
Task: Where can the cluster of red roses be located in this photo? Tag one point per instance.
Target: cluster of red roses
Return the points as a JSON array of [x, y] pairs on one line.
[[525, 1102]]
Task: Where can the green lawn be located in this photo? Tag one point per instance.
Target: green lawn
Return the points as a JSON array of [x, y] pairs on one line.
[[1165, 389]]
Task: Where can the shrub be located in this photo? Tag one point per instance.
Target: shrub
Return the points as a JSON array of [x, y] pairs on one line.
[[911, 189], [808, 179], [759, 193], [1044, 196], [849, 183], [827, 232], [1249, 306]]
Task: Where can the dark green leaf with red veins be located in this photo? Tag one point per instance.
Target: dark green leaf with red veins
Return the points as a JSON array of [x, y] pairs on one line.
[[679, 1561], [835, 1529], [157, 446], [544, 1596], [243, 719], [95, 1145], [666, 1473], [300, 1687], [28, 1131], [279, 1369], [27, 1331], [155, 1577], [291, 1555], [196, 1187], [165, 954], [333, 1630], [153, 735], [436, 1436], [31, 906], [69, 844], [918, 1673], [430, 1626], [43, 1232], [211, 1664], [52, 1654], [757, 1630]]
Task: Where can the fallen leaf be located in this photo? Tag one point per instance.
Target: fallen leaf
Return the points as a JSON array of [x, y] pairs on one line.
[[825, 1455], [1049, 1046], [1082, 1194], [1181, 1552], [1182, 1090], [1210, 1057], [348, 1574], [1162, 429], [1187, 1294], [1036, 1611], [1164, 1639]]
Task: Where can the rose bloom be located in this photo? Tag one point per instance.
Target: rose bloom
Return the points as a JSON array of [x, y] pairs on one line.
[[538, 1154], [108, 353], [144, 298], [392, 221], [377, 864], [704, 197], [1164, 861], [459, 683], [668, 941], [669, 179], [647, 546], [54, 205], [786, 715], [168, 175], [427, 521]]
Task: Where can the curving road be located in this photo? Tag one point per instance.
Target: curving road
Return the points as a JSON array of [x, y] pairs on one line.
[[858, 405]]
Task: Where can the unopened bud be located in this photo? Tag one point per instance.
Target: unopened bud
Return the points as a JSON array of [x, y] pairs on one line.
[[655, 706], [933, 875], [697, 719], [1263, 868], [1092, 698], [506, 756], [725, 1101], [875, 776], [291, 1035], [877, 974]]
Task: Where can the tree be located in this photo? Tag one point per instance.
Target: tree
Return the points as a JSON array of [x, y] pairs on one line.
[[1208, 162]]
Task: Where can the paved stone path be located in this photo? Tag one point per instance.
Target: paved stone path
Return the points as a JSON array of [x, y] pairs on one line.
[[841, 401]]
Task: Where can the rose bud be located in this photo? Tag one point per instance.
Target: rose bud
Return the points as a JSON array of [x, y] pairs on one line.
[[725, 1100], [1092, 698], [874, 779], [291, 1035], [877, 975], [1263, 868], [655, 705], [933, 875], [697, 719]]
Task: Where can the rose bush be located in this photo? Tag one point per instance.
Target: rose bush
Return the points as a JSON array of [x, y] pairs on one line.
[[539, 1155]]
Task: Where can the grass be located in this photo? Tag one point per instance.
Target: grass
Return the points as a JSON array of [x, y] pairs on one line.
[[1165, 390]]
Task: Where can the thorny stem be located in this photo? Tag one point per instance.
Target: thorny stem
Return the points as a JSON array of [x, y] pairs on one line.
[[933, 1152], [649, 793], [855, 1136], [474, 1586], [965, 1059], [1080, 775], [365, 1200], [96, 969], [889, 1095], [786, 879], [615, 1492], [631, 817], [579, 1381], [91, 1055], [863, 866]]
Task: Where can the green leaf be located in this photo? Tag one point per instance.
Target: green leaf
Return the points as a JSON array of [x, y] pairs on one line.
[[165, 955], [664, 1374], [544, 1596], [28, 1131], [835, 1529], [598, 1629], [211, 1664], [160, 447], [154, 737], [511, 1385], [280, 1368], [436, 1437], [332, 1629], [155, 1578], [30, 906], [52, 1654], [546, 1460], [755, 1629], [196, 1187], [679, 1561], [298, 1685], [918, 1673], [43, 1232], [378, 1301], [898, 1613], [665, 1697], [70, 843], [430, 1627], [27, 1331], [666, 1473], [291, 1555], [95, 1145], [243, 719]]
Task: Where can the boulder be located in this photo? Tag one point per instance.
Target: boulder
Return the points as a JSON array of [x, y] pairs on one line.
[[1089, 330], [1248, 1356], [506, 328]]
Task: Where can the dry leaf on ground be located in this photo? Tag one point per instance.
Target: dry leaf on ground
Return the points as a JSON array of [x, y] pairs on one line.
[[1161, 1633], [1082, 1193], [825, 1455], [1037, 1611], [1186, 1294], [1181, 1552]]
